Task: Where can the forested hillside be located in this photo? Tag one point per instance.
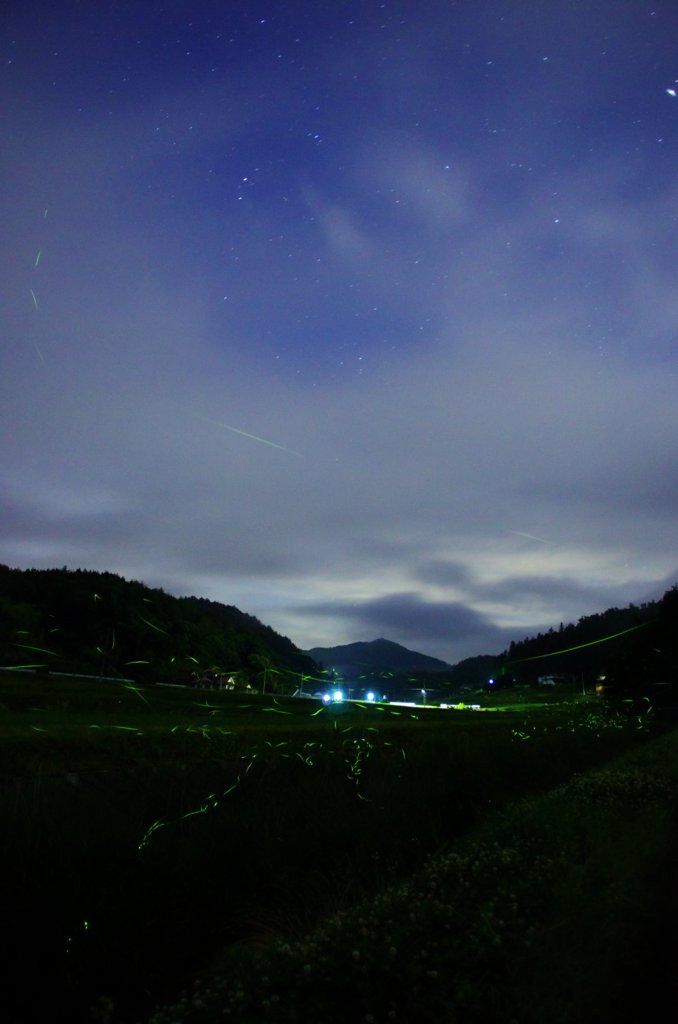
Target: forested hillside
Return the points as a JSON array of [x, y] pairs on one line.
[[576, 647], [632, 648], [100, 623]]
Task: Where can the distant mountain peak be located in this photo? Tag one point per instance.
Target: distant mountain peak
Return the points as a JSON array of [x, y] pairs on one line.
[[382, 653]]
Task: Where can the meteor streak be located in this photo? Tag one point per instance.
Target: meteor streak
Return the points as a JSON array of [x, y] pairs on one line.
[[530, 536], [252, 437]]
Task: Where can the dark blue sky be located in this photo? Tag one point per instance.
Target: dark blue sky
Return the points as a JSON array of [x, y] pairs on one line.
[[426, 251]]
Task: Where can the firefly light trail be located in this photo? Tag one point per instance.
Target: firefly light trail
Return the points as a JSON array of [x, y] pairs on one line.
[[577, 647]]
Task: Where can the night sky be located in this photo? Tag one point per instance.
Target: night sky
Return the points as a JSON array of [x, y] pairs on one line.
[[361, 316]]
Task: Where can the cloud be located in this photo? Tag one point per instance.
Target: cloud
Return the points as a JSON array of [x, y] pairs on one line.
[[418, 186], [344, 236], [442, 572], [479, 375], [436, 626]]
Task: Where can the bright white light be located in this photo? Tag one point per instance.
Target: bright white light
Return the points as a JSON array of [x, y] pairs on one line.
[[326, 698], [337, 695], [370, 696]]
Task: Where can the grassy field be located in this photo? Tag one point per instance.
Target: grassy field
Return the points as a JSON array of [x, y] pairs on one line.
[[148, 830], [559, 908]]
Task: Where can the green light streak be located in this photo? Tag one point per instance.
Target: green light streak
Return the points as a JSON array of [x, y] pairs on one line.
[[136, 691], [28, 647], [14, 668], [355, 751], [252, 437], [578, 647], [156, 628], [149, 832]]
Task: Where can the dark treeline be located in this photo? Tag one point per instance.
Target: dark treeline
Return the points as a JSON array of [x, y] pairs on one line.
[[99, 623], [629, 650], [633, 648], [552, 650]]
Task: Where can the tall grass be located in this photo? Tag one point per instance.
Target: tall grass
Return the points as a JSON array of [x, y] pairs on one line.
[[193, 840], [559, 908]]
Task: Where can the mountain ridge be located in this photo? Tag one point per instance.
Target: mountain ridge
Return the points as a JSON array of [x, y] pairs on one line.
[[349, 659]]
